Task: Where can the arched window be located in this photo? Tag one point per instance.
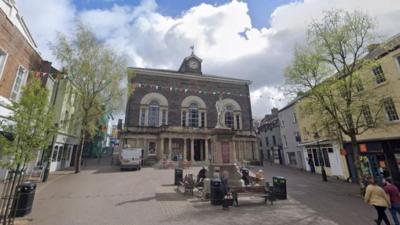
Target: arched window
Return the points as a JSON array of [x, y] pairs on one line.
[[193, 115], [154, 114], [229, 118]]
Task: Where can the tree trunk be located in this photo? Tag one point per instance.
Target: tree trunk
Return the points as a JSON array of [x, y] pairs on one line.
[[78, 156], [357, 161]]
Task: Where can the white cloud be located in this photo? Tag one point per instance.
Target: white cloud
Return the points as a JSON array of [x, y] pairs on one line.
[[223, 35], [45, 18]]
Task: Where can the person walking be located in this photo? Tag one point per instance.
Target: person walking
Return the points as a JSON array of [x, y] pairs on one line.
[[376, 196], [224, 189], [393, 193]]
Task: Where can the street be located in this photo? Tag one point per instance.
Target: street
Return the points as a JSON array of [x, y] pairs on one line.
[[104, 195]]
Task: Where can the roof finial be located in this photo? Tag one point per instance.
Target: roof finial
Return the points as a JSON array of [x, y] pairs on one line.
[[192, 47]]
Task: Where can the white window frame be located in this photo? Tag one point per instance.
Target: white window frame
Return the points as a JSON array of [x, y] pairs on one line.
[[393, 106], [143, 118], [23, 81], [379, 77], [3, 64]]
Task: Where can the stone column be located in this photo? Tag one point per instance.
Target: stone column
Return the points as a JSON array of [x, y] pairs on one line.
[[192, 149], [184, 149], [162, 148], [234, 151], [206, 149], [169, 148]]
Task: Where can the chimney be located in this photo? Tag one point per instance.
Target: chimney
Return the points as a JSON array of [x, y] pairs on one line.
[[372, 47], [274, 111]]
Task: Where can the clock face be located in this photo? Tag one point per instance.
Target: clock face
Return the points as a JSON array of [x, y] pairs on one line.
[[193, 64]]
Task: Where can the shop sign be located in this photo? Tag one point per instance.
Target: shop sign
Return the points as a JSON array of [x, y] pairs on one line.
[[363, 147], [343, 151]]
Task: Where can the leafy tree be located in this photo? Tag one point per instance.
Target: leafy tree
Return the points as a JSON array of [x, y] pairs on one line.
[[329, 72], [97, 72], [31, 126]]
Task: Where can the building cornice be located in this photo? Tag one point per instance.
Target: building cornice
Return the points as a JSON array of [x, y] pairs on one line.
[[172, 74]]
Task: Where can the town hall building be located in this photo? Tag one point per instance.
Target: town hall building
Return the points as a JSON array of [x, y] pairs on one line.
[[173, 115]]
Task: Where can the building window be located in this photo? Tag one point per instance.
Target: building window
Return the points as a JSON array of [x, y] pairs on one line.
[[54, 156], [203, 119], [142, 117], [19, 81], [154, 114], [238, 122], [229, 121], [152, 148], [184, 118], [68, 157], [260, 143], [397, 60], [193, 116], [297, 136], [379, 75], [60, 153], [294, 117], [3, 57], [266, 141], [283, 123], [359, 86], [390, 109], [164, 117], [326, 156], [367, 115], [274, 140], [315, 157], [292, 158]]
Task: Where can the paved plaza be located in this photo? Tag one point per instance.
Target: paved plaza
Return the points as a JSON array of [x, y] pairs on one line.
[[105, 196]]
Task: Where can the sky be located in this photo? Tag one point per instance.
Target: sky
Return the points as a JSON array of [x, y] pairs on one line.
[[251, 39]]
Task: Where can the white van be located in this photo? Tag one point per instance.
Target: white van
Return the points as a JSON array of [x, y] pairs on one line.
[[131, 158]]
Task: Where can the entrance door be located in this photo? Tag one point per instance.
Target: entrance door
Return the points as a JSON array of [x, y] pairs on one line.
[[373, 163], [225, 152]]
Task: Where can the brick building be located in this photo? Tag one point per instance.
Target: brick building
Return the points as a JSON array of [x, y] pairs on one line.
[[18, 51], [172, 114]]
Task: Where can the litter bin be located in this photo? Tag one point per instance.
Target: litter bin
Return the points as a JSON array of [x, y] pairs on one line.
[[216, 195], [24, 199], [279, 187], [178, 176]]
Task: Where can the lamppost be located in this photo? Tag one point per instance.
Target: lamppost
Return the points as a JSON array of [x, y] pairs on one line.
[[323, 172]]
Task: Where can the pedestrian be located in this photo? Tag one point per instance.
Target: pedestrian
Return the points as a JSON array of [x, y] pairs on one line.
[[393, 193], [224, 189], [376, 196]]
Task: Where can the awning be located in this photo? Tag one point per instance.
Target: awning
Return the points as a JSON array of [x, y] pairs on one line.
[[315, 142]]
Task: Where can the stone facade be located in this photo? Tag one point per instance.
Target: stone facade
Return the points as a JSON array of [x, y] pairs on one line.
[[269, 138], [290, 136], [172, 114]]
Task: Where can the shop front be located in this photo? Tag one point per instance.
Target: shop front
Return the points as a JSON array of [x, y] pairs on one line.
[[379, 159]]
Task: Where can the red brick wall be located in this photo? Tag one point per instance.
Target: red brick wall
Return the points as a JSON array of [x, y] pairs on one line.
[[19, 53]]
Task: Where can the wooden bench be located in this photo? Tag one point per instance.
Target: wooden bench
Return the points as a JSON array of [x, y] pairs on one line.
[[266, 194]]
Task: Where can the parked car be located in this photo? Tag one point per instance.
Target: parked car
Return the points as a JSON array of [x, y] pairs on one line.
[[131, 158]]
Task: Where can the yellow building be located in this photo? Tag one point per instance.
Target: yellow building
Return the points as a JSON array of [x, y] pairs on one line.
[[380, 144]]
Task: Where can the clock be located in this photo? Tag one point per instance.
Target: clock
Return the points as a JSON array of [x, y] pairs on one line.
[[193, 64]]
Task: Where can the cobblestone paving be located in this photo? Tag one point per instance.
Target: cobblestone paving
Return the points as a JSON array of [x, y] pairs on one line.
[[106, 196]]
